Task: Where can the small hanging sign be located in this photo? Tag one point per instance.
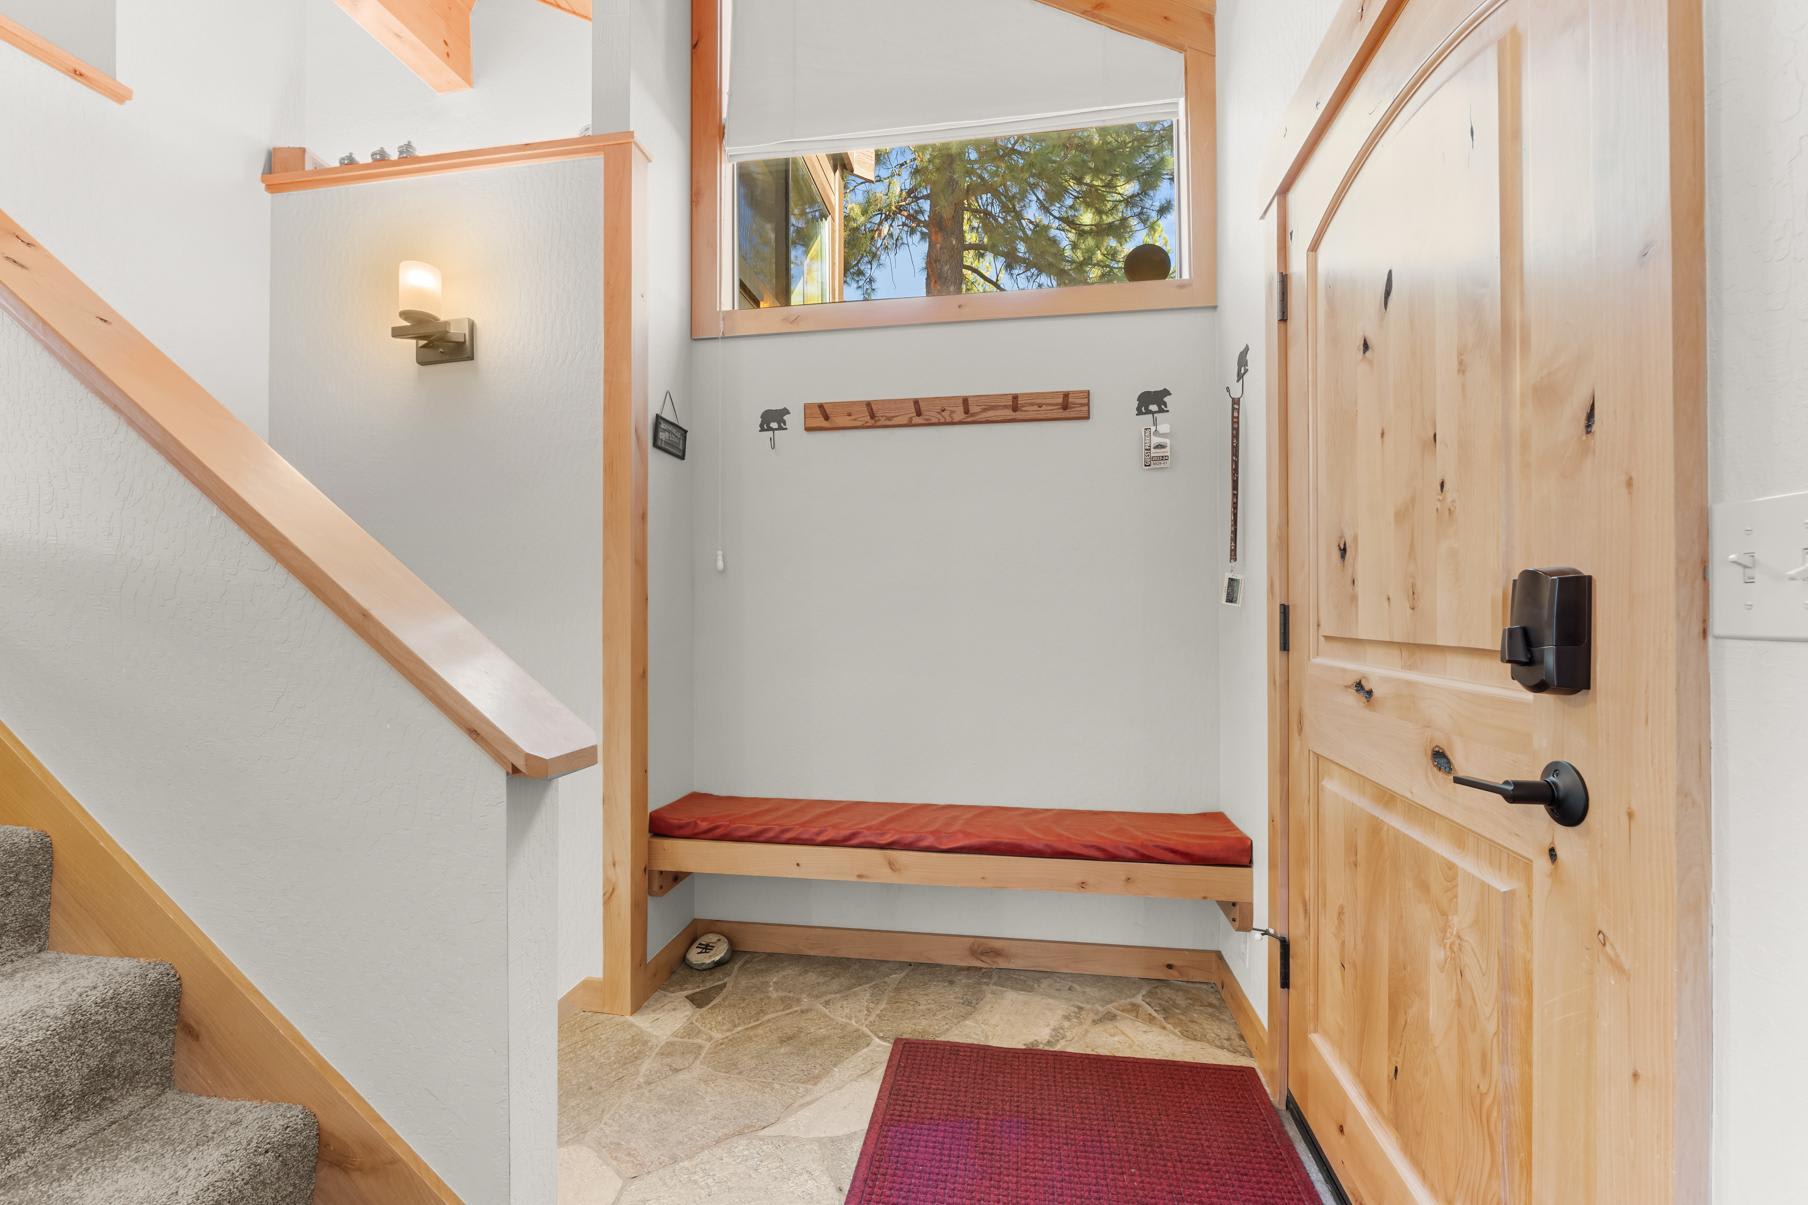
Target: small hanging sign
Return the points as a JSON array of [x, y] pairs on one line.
[[1158, 446], [668, 436]]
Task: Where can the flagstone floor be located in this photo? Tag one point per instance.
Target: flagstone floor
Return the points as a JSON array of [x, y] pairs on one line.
[[751, 1084]]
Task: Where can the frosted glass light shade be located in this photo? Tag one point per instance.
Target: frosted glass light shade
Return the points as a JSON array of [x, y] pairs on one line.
[[418, 291]]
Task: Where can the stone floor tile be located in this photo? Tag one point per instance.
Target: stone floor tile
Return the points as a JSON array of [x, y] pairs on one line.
[[798, 1047], [584, 1179], [673, 1056], [662, 1123], [599, 1059], [846, 1110], [737, 1008], [1114, 1033], [1011, 1018], [815, 978], [746, 1171], [859, 1006], [1097, 990], [927, 1001], [1208, 1022]]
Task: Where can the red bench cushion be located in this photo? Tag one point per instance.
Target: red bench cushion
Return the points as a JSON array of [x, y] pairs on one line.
[[1184, 838]]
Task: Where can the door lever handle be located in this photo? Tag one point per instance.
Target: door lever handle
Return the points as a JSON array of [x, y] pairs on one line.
[[1559, 790]]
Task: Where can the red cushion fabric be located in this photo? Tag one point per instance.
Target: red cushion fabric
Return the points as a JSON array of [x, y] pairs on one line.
[[1182, 838]]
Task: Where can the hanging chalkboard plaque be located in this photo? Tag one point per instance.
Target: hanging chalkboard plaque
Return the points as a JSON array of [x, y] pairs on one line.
[[668, 436]]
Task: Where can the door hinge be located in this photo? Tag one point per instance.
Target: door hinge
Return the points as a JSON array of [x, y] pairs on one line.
[[1286, 634], [1280, 297], [1286, 956]]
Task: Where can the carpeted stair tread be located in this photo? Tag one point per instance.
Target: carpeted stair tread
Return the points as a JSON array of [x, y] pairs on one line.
[[180, 1150], [81, 1039], [25, 860]]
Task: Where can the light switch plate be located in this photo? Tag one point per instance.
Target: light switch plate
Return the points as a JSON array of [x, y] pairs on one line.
[[1756, 600]]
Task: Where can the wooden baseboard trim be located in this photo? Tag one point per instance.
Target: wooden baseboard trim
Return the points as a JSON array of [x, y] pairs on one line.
[[1090, 958], [586, 996], [590, 996], [230, 1040], [1247, 1019]]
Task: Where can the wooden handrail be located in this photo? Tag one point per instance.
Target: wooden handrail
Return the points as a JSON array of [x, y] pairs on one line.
[[477, 686]]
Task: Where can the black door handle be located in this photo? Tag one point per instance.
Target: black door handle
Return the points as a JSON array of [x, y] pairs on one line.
[[1560, 791]]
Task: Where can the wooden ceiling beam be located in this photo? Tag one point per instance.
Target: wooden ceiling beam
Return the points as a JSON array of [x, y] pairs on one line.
[[1177, 24], [577, 8], [431, 37]]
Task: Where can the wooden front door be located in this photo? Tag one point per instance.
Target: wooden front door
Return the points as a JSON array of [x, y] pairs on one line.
[[1493, 362]]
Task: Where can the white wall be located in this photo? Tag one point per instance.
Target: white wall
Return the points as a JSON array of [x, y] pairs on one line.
[[1757, 62], [530, 62], [1016, 614], [155, 203], [485, 478], [1263, 50], [348, 847]]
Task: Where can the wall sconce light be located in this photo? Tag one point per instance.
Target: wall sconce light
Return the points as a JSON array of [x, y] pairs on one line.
[[436, 340]]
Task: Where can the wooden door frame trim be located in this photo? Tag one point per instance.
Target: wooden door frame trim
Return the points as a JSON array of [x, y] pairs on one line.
[[1274, 1066], [1198, 158]]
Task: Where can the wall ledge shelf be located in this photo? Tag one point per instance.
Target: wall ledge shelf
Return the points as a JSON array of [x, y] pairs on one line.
[[552, 151]]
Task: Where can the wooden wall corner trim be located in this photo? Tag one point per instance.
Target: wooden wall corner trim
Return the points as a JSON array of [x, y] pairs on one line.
[[432, 38], [475, 684], [231, 1041], [624, 618], [64, 63]]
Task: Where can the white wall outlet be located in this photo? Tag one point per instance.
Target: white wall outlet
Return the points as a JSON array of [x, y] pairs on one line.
[[1158, 446], [1758, 568]]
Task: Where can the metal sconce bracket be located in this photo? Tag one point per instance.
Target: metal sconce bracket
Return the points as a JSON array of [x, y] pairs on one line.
[[451, 341]]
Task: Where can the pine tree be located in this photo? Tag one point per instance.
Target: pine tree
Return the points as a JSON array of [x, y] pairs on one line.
[[1024, 211]]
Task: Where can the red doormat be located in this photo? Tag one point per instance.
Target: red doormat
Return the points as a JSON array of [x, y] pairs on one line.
[[983, 1125]]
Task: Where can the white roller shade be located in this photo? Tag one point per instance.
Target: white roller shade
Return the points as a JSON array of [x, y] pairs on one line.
[[808, 76]]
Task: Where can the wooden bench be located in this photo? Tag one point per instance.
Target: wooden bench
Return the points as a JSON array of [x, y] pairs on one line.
[[1167, 855]]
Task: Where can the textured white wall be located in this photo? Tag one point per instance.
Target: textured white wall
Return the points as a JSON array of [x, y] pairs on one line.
[[1263, 52], [484, 478], [530, 61], [1757, 110], [155, 203], [340, 840], [1015, 614]]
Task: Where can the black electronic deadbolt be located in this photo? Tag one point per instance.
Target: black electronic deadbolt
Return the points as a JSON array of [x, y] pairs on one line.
[[1548, 640]]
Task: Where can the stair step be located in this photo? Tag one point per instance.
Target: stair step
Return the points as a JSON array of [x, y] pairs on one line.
[[81, 1040], [24, 892], [180, 1150]]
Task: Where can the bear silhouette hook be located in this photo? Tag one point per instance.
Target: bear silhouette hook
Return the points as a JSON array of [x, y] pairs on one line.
[[772, 422]]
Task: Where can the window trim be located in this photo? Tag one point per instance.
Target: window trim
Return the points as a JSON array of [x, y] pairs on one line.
[[713, 315]]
